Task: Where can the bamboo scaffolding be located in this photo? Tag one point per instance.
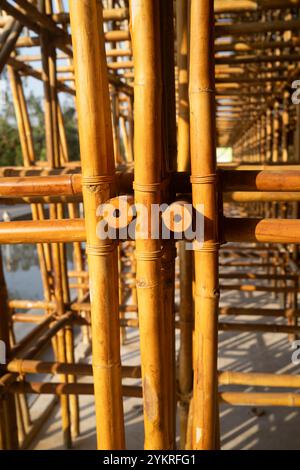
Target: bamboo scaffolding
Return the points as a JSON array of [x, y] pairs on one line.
[[129, 146]]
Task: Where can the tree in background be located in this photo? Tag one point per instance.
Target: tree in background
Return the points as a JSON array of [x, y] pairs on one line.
[[10, 147]]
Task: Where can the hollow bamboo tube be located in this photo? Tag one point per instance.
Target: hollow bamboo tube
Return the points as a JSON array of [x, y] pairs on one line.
[[95, 132], [145, 17], [203, 162]]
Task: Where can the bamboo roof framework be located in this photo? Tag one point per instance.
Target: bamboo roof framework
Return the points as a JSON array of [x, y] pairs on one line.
[[158, 86]]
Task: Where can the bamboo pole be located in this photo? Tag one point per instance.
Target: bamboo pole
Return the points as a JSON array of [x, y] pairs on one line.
[[9, 431], [186, 257], [258, 379], [145, 25], [98, 169], [65, 389], [204, 191]]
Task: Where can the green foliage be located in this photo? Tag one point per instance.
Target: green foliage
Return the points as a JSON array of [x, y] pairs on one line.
[[70, 122], [10, 147]]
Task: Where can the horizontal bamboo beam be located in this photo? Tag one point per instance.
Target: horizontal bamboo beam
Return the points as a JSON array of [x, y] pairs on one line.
[[47, 231], [262, 230], [238, 196], [244, 28], [257, 328], [73, 230], [256, 180], [258, 379], [70, 184], [257, 288], [260, 399], [267, 312], [255, 276], [240, 6], [256, 59], [21, 366], [53, 388], [109, 14]]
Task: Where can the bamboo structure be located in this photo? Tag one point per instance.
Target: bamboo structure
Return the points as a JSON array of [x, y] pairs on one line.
[[185, 111]]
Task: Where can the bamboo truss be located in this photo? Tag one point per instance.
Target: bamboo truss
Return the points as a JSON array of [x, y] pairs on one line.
[[158, 87]]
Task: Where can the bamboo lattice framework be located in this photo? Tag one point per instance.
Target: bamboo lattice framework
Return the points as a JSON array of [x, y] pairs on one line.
[[158, 87]]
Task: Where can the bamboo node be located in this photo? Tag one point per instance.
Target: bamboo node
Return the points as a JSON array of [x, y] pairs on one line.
[[208, 179], [96, 184], [207, 247], [143, 284], [100, 250], [197, 90], [151, 187], [184, 398], [108, 365], [149, 256]]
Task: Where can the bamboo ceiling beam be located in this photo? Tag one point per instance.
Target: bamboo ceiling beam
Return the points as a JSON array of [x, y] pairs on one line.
[[29, 16], [10, 41]]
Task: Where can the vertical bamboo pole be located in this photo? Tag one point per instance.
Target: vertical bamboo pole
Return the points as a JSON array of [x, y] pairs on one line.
[[204, 191], [145, 26], [185, 373], [9, 417], [169, 250], [69, 335], [95, 133], [285, 126], [61, 340], [183, 124]]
